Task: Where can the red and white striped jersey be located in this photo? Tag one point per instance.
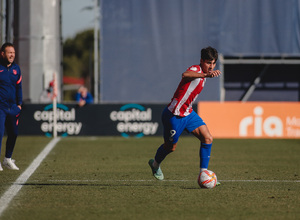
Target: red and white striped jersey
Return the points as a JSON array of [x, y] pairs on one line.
[[186, 94]]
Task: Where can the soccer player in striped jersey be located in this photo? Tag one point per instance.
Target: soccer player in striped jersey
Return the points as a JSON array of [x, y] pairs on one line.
[[179, 114], [10, 101]]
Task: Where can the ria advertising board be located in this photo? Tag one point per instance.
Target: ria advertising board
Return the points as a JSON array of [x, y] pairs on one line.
[[251, 119]]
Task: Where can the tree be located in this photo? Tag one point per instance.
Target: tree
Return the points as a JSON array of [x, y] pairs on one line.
[[78, 53]]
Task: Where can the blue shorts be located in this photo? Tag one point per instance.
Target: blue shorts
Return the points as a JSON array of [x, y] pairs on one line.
[[174, 125]]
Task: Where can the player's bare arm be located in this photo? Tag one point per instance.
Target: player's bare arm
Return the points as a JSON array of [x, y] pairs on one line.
[[191, 75], [213, 74]]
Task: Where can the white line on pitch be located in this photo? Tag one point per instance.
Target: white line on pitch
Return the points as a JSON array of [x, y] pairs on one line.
[[267, 181], [18, 184]]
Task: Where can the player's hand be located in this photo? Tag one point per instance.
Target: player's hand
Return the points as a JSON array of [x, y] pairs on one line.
[[214, 73]]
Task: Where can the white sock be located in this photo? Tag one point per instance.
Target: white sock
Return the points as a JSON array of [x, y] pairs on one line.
[[202, 169]]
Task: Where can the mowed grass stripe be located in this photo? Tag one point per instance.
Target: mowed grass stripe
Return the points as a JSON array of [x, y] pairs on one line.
[[17, 186]]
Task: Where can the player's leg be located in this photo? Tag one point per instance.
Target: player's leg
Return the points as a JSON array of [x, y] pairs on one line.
[[160, 155], [206, 139], [166, 148], [172, 131], [2, 127], [198, 128], [203, 134], [11, 125]]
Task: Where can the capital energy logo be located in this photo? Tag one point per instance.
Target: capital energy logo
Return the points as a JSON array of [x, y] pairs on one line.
[[134, 120], [65, 118]]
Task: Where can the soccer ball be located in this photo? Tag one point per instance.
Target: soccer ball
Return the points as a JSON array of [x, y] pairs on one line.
[[207, 179]]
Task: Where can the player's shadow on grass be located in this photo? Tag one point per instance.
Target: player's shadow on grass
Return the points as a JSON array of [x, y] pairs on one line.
[[105, 185], [82, 184]]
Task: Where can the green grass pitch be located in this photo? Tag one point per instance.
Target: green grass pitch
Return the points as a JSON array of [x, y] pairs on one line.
[[109, 178]]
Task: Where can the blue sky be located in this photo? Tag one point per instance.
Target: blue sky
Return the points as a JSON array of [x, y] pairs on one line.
[[74, 18]]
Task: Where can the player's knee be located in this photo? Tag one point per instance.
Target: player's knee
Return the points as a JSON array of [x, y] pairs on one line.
[[208, 139]]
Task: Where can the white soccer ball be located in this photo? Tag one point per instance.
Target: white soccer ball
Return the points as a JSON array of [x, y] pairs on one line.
[[207, 179]]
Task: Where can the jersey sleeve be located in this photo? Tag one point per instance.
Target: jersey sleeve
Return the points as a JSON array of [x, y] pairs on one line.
[[194, 68], [19, 93]]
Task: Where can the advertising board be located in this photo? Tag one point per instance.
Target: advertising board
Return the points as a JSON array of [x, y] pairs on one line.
[[127, 120], [251, 119]]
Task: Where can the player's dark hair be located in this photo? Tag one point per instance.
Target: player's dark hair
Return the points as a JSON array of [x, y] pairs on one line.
[[209, 53], [7, 44]]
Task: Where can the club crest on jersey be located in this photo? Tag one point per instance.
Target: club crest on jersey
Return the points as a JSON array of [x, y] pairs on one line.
[[15, 72]]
